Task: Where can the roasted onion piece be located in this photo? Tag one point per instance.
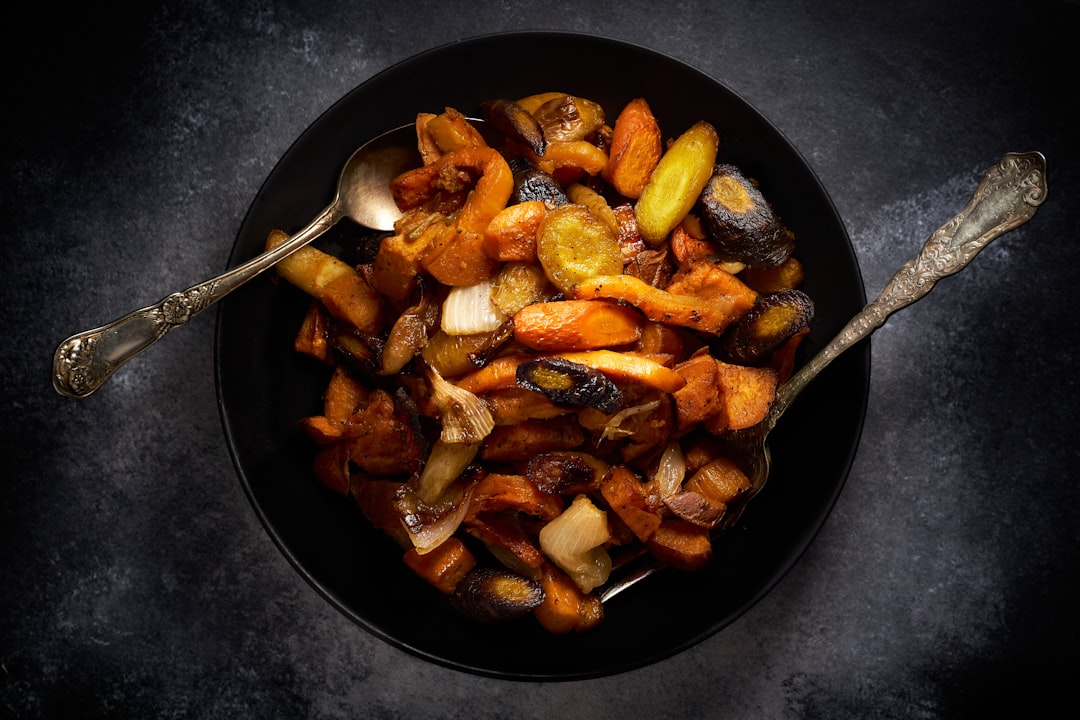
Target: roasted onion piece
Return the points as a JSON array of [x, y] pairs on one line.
[[773, 320], [569, 118], [491, 595], [569, 383], [742, 223]]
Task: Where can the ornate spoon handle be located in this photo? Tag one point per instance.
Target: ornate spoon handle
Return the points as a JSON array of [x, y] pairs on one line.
[[1007, 196], [84, 361]]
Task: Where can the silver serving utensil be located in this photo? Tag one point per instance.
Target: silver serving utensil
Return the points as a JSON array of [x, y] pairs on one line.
[[1008, 196], [83, 362]]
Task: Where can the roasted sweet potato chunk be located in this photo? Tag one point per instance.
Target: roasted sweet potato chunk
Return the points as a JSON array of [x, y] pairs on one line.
[[443, 567]]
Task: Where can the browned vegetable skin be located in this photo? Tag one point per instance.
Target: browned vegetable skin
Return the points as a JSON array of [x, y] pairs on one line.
[[490, 595], [773, 320], [742, 223], [566, 117]]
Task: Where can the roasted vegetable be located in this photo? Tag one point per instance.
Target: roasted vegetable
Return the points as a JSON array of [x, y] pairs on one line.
[[742, 223], [566, 117], [712, 315], [566, 472], [511, 235], [565, 607], [636, 147], [574, 245], [333, 282], [489, 595], [569, 383], [575, 542], [676, 182], [576, 325], [515, 122], [445, 566], [531, 183], [769, 324]]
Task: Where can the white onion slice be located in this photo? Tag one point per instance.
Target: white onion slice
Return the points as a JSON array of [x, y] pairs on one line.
[[574, 541], [467, 310]]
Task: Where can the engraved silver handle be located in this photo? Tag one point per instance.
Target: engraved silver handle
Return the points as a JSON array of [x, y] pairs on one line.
[[1007, 196], [83, 362]]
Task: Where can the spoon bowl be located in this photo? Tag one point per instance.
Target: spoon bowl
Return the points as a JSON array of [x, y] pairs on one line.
[[1006, 197], [83, 362]]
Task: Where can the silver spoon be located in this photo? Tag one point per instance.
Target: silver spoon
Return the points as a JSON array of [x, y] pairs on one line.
[[83, 362], [1008, 196]]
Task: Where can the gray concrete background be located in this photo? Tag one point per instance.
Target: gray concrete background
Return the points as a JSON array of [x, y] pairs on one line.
[[135, 580]]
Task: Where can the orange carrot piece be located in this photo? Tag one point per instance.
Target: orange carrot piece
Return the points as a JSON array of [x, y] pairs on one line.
[[576, 325], [511, 234], [629, 367], [636, 147], [499, 374], [713, 314]]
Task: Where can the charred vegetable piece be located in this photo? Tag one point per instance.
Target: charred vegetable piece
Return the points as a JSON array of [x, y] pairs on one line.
[[569, 383], [769, 324], [742, 223], [489, 595], [515, 122], [533, 184], [566, 472]]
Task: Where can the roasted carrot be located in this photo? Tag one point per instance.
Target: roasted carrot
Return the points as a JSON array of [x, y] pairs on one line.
[[499, 374], [444, 566], [636, 148], [511, 234], [706, 314], [576, 325], [629, 367]]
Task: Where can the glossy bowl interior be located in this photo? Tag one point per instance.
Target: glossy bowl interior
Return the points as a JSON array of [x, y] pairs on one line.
[[264, 387]]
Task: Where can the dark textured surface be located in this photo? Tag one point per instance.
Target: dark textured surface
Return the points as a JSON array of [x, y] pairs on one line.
[[135, 581]]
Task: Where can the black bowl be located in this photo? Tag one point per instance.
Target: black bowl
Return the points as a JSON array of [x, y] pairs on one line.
[[264, 386]]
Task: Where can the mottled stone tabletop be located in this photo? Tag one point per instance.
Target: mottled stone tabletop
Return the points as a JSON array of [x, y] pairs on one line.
[[135, 578]]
